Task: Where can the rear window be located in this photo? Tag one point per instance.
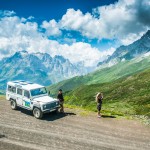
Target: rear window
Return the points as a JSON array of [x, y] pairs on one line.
[[11, 89]]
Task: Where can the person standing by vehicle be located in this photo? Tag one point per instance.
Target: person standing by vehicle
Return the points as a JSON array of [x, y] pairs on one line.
[[99, 98], [61, 100]]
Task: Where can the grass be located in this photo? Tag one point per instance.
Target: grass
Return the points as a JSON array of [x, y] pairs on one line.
[[79, 110], [2, 97], [127, 97]]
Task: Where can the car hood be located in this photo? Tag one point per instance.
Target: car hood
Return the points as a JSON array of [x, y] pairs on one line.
[[44, 99]]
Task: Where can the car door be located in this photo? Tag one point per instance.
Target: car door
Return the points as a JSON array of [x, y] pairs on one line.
[[19, 97], [26, 99]]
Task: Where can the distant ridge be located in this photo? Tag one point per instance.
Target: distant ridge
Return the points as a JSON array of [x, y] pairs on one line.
[[137, 48], [37, 67]]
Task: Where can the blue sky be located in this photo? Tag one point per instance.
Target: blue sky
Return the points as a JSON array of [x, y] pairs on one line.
[[50, 9], [80, 30], [55, 9]]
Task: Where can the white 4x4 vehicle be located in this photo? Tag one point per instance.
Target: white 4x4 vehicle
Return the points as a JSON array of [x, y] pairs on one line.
[[30, 96]]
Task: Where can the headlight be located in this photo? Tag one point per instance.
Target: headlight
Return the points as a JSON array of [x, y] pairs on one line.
[[44, 106], [57, 103]]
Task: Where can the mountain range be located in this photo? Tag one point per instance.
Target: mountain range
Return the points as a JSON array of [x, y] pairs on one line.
[[37, 67], [136, 49], [44, 69]]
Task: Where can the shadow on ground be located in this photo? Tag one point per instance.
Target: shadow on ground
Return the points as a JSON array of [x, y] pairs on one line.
[[2, 135], [108, 116], [54, 116], [48, 116], [25, 111]]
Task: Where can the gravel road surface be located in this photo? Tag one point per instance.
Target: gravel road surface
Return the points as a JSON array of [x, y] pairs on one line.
[[19, 130]]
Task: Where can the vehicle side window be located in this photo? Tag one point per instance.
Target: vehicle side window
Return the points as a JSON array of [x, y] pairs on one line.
[[14, 89], [19, 91], [26, 94], [11, 89]]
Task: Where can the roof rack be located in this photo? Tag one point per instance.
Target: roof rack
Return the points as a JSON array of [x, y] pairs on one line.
[[22, 82]]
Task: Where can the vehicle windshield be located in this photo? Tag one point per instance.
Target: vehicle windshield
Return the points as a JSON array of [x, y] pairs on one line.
[[39, 91]]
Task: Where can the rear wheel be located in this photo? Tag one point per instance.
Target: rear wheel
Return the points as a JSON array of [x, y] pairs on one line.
[[13, 104], [37, 113]]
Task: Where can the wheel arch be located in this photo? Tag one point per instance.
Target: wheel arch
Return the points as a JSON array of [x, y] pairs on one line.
[[12, 99]]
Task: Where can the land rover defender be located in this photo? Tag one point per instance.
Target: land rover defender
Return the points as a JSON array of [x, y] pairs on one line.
[[30, 96]]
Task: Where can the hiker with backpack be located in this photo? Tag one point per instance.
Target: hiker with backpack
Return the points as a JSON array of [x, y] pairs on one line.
[[99, 98]]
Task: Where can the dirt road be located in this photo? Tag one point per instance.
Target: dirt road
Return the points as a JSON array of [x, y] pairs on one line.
[[19, 130]]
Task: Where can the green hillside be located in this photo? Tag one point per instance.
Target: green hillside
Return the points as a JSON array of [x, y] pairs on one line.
[[127, 96], [113, 73]]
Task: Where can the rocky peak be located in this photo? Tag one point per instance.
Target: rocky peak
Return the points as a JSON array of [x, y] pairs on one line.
[[136, 49]]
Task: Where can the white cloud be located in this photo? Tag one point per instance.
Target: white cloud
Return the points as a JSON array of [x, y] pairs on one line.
[[109, 51], [131, 37], [20, 34], [7, 13], [125, 20], [77, 21], [16, 34], [30, 17], [52, 28], [15, 26], [77, 52]]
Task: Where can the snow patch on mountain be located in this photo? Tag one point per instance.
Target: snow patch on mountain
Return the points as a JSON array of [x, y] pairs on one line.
[[137, 49]]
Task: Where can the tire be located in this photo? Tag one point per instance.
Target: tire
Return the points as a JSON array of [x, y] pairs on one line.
[[37, 113], [13, 104]]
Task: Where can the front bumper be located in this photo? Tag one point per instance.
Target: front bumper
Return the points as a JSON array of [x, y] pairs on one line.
[[50, 110]]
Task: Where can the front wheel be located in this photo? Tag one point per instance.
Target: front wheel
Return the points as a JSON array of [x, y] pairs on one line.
[[37, 113], [13, 104]]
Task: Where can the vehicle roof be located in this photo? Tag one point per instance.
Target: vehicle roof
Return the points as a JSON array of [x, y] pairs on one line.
[[24, 84]]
